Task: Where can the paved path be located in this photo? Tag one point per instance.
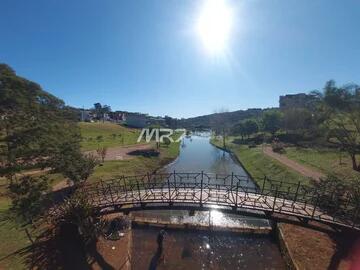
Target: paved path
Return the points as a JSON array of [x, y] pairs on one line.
[[306, 171], [122, 152]]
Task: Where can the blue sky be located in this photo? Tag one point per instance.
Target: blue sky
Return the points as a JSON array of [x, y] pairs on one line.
[[145, 55]]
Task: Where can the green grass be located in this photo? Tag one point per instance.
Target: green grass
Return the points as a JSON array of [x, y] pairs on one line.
[[324, 160], [111, 135], [12, 240], [137, 165], [259, 165]]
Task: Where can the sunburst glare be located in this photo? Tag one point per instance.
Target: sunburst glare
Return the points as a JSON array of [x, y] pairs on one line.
[[214, 25]]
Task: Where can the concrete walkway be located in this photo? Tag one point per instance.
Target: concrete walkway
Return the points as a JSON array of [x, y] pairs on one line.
[[305, 171]]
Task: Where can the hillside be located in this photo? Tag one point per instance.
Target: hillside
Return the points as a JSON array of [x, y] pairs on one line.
[[226, 117]]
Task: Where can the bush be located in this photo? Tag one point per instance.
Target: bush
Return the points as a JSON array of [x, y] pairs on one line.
[[28, 196], [252, 145], [77, 210], [278, 146]]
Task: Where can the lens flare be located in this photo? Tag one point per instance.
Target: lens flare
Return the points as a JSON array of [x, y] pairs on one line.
[[214, 25]]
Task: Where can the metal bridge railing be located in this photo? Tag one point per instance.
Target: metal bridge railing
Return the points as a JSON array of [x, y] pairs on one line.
[[235, 191]]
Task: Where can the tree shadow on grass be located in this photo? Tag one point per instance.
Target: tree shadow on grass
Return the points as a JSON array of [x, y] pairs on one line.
[[63, 250]]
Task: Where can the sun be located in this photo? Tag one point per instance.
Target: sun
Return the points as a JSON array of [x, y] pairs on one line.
[[213, 26]]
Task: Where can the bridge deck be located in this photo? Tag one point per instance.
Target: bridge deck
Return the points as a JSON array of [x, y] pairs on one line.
[[231, 193], [123, 200]]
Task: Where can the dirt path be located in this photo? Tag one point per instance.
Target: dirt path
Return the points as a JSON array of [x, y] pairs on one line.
[[306, 171], [113, 153], [122, 152]]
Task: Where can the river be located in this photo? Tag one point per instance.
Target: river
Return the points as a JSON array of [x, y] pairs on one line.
[[205, 249]]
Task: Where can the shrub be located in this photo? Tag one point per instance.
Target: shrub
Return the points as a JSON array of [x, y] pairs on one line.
[[278, 146]]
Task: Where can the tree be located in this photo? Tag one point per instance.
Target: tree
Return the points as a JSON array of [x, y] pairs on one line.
[[251, 127], [33, 125], [77, 210], [239, 129], [271, 121], [98, 110], [28, 199], [219, 125], [74, 165], [101, 111], [166, 141], [101, 151], [298, 120], [340, 109]]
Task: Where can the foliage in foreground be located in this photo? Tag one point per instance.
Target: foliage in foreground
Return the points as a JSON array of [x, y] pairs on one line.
[[78, 211]]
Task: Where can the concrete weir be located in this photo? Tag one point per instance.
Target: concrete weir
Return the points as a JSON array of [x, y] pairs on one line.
[[201, 221]]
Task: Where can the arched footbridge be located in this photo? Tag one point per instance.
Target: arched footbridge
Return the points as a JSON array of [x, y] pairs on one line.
[[228, 193]]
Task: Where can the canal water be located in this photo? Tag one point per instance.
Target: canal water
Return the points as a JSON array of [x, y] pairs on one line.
[[204, 249]]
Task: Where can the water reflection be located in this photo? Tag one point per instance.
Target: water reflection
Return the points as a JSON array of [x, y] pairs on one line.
[[205, 250], [199, 155], [199, 249]]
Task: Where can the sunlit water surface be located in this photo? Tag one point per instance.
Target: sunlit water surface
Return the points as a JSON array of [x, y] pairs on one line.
[[204, 249]]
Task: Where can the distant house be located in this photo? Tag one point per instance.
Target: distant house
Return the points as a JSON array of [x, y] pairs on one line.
[[118, 117], [297, 101], [86, 116], [137, 120]]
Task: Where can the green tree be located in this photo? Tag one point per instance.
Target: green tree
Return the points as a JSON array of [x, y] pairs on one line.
[[298, 120], [37, 130], [28, 199], [251, 127], [239, 129], [340, 115], [74, 165], [78, 210], [33, 125], [219, 125], [271, 121]]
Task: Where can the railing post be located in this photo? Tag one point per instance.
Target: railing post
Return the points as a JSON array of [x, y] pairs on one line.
[[263, 185], [175, 181], [201, 187], [276, 193], [111, 195], [236, 195], [297, 191], [232, 180], [137, 183], [125, 188], [316, 203], [168, 183]]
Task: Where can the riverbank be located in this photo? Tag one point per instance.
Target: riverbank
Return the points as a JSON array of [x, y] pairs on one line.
[[302, 248], [258, 165]]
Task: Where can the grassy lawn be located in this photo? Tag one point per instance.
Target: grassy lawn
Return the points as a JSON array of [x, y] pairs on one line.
[[324, 160], [106, 134], [12, 240], [259, 165], [137, 165]]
